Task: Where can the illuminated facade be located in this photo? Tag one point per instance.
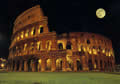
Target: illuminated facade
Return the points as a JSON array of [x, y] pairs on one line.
[[34, 48]]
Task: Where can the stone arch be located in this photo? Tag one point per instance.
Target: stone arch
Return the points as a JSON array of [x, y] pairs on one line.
[[22, 65], [109, 65], [90, 65], [101, 67], [29, 62], [69, 45], [105, 65], [60, 46], [13, 67], [48, 44], [48, 64], [39, 64], [59, 64], [70, 64], [35, 63], [79, 65], [18, 64], [96, 64], [33, 31], [88, 41]]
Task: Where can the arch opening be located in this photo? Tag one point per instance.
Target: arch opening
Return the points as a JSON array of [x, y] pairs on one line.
[[49, 64], [79, 65], [59, 64]]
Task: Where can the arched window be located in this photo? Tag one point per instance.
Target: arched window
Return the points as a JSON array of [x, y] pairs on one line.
[[81, 35], [93, 36], [101, 64], [88, 41], [82, 48], [68, 46], [27, 33], [40, 30], [48, 45], [25, 46], [18, 38], [33, 31], [32, 46], [60, 45], [22, 35], [38, 45]]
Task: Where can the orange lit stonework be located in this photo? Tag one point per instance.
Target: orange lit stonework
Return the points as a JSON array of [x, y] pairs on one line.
[[34, 48]]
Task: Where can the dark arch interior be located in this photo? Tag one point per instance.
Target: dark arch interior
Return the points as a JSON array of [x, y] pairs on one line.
[[68, 46], [90, 65], [29, 65], [88, 41], [79, 66], [60, 45], [18, 63], [41, 29], [101, 64]]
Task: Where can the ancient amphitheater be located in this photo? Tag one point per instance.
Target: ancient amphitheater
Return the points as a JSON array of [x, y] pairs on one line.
[[34, 48]]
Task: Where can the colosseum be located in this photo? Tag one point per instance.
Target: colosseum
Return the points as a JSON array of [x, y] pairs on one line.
[[35, 49]]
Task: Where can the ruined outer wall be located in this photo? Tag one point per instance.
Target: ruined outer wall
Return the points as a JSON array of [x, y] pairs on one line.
[[31, 41]]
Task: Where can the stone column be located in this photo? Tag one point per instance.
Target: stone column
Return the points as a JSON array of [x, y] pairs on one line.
[[110, 65], [7, 67], [45, 29], [53, 65], [54, 44], [33, 66], [107, 66], [99, 68], [43, 45], [11, 67], [98, 62], [15, 67], [75, 64], [93, 61], [64, 64], [20, 66], [43, 65], [113, 64], [39, 66], [74, 43], [25, 66], [84, 65], [103, 65], [86, 60]]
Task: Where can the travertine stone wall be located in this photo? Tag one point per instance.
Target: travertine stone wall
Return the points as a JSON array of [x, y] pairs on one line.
[[34, 48]]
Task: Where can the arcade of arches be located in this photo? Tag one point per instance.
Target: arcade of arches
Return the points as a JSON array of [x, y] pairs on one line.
[[34, 48]]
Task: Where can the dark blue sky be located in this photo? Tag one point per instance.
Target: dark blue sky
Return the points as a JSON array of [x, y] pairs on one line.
[[65, 16]]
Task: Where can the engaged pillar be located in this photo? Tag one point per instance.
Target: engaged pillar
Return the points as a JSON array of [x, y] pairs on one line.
[[20, 66], [64, 65], [33, 66], [53, 65], [75, 65], [15, 67], [25, 66], [85, 66], [43, 65]]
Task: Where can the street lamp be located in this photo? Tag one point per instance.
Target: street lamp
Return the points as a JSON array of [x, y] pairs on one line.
[[2, 65]]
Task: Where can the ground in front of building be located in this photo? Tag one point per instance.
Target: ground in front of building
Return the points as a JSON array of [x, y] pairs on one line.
[[59, 78]]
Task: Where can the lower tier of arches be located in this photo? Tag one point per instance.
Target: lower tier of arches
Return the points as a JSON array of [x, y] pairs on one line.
[[61, 64]]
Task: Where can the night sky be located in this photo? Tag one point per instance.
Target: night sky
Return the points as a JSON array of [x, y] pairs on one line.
[[65, 16]]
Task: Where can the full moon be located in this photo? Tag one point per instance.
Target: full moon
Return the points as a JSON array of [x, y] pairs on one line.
[[100, 13]]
